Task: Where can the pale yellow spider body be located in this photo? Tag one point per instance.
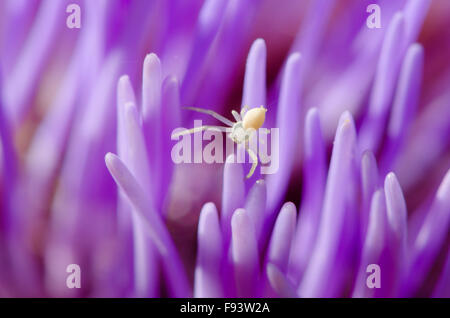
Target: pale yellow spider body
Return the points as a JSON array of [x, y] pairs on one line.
[[254, 118], [242, 129]]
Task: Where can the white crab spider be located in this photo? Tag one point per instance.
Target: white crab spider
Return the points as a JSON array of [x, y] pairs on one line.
[[247, 122]]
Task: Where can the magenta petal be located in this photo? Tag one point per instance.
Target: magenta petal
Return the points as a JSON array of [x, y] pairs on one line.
[[255, 206], [430, 131], [314, 179], [397, 228], [31, 61], [254, 94], [415, 13], [279, 282], [208, 281], [137, 159], [153, 225], [210, 18], [170, 119], [151, 88], [374, 244], [128, 183], [442, 289], [14, 30], [146, 269], [313, 28], [53, 132], [288, 121], [125, 94], [233, 193], [315, 168], [145, 261], [406, 99], [318, 280], [140, 226], [370, 182], [404, 105], [283, 232], [430, 239], [384, 85], [244, 254], [83, 176], [151, 119], [396, 212], [8, 159], [227, 48]]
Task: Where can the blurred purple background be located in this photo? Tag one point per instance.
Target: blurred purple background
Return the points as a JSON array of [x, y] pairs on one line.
[[63, 107]]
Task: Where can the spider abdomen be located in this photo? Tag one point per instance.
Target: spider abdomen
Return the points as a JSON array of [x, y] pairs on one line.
[[254, 118]]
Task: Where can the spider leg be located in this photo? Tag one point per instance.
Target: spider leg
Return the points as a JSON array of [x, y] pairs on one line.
[[244, 110], [198, 129], [236, 115], [267, 131], [217, 116], [255, 162], [250, 133]]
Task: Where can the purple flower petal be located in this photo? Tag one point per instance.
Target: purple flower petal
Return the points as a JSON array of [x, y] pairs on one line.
[[49, 141], [314, 179], [153, 225], [430, 239], [279, 282], [14, 30], [442, 289], [396, 211], [233, 193], [63, 107], [8, 158], [415, 13], [288, 119], [227, 48], [125, 94], [151, 88], [318, 278], [136, 196], [430, 131], [255, 206], [397, 225], [374, 244], [210, 18], [137, 159], [370, 182], [170, 119], [311, 34], [145, 263], [404, 106], [283, 232], [254, 94], [151, 117], [244, 254], [384, 84], [22, 81], [208, 281]]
